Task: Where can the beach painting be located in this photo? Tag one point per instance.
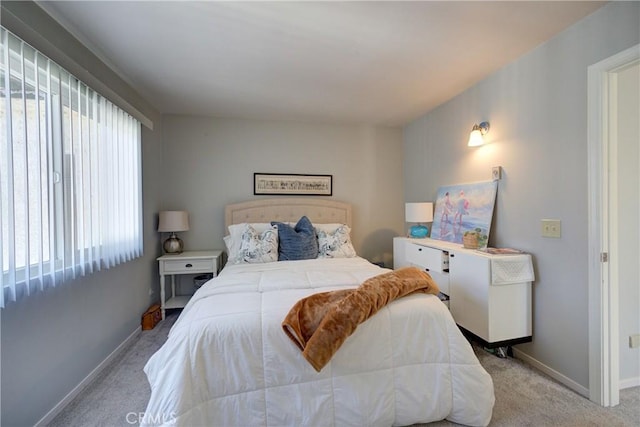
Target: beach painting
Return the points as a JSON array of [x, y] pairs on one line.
[[464, 207]]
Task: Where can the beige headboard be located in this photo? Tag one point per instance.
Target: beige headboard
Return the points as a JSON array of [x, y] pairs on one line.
[[321, 211]]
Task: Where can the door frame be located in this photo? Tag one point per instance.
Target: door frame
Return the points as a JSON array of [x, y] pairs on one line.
[[604, 357]]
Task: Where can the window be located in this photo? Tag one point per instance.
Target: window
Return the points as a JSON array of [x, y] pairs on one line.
[[70, 175]]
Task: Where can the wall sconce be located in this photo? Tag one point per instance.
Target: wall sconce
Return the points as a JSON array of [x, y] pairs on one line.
[[417, 213], [172, 222], [476, 136]]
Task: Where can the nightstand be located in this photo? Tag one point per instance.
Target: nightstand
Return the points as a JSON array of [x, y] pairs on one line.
[[189, 262]]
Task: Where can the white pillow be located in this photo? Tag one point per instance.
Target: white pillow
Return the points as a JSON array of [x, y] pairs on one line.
[[258, 247], [336, 244], [234, 239], [327, 228]]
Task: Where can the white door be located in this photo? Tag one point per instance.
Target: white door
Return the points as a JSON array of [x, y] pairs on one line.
[[613, 220]]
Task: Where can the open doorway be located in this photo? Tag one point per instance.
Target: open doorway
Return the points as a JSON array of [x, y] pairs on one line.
[[614, 225]]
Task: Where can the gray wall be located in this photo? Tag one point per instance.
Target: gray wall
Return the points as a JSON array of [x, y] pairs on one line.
[[51, 341], [212, 162], [537, 107]]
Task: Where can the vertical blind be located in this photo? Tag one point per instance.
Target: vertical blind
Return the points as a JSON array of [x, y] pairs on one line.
[[70, 175]]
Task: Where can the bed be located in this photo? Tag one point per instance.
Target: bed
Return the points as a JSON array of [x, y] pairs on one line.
[[228, 362]]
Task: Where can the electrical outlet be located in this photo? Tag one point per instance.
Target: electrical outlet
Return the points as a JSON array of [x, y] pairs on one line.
[[551, 228], [150, 291], [496, 173], [634, 341]]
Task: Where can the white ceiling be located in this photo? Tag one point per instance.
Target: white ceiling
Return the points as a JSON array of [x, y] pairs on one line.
[[380, 63]]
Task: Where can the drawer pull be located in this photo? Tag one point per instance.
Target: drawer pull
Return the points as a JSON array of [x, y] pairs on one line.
[[189, 265], [452, 255], [419, 249]]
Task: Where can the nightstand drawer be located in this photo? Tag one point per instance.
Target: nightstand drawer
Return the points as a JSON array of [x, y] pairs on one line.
[[428, 258], [195, 265]]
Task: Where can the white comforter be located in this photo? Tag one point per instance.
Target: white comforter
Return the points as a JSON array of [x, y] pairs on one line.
[[227, 361]]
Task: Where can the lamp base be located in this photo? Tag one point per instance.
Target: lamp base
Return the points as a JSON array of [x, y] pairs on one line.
[[173, 245], [418, 231]]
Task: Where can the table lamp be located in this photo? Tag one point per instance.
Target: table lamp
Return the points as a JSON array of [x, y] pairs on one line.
[[172, 222], [418, 213]]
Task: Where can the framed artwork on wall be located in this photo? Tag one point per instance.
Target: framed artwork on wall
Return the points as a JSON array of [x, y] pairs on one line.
[[464, 208], [292, 184]]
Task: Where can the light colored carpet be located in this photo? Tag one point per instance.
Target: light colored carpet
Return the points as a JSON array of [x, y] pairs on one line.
[[527, 397], [119, 395], [524, 396]]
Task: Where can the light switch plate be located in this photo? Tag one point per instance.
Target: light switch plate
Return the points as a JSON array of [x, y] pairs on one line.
[[551, 228]]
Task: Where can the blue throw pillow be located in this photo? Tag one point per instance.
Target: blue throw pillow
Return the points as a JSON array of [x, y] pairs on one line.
[[296, 243]]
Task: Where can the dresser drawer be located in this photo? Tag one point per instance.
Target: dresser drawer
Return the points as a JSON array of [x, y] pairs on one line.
[[185, 266], [442, 279], [428, 258]]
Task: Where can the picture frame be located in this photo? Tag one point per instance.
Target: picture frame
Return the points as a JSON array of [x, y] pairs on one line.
[[462, 209], [292, 184]]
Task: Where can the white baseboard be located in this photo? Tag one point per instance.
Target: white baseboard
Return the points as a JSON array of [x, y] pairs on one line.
[[629, 383], [584, 391], [85, 382]]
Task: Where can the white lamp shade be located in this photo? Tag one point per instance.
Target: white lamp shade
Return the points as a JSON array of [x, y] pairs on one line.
[[418, 212], [172, 221], [475, 138]]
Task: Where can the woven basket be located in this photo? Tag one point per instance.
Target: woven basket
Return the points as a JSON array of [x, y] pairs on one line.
[[151, 317], [470, 241]]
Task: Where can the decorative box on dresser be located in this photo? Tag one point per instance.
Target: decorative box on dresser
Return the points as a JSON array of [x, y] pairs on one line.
[[489, 295]]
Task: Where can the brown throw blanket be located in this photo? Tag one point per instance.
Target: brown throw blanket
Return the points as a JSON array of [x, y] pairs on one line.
[[320, 323]]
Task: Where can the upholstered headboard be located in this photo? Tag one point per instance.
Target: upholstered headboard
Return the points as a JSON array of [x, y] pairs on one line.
[[321, 211]]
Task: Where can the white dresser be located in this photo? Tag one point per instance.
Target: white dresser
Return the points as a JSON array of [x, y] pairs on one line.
[[489, 295]]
